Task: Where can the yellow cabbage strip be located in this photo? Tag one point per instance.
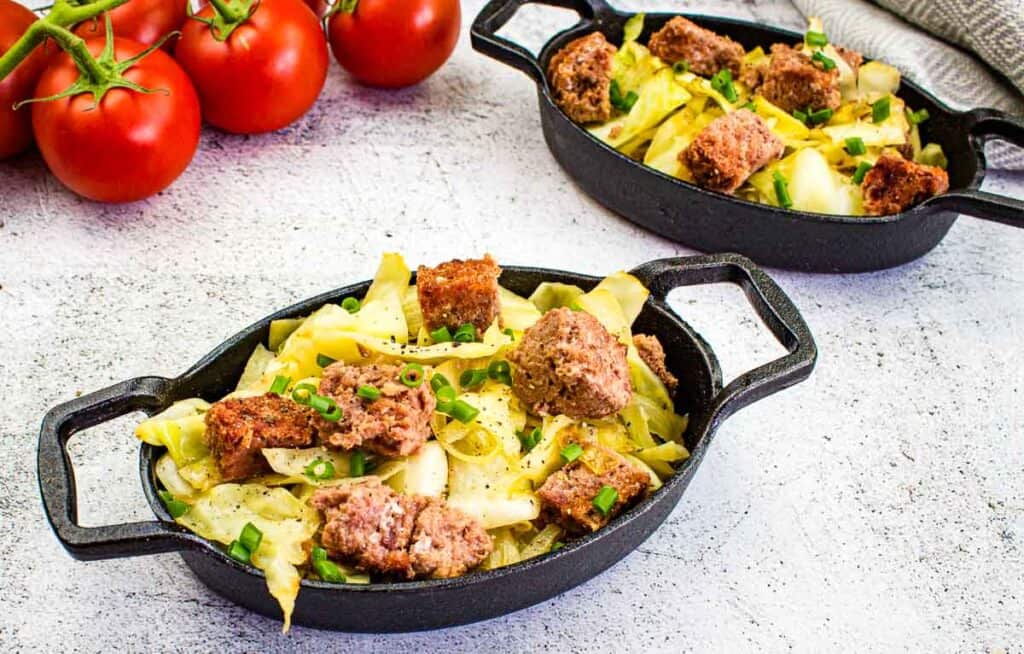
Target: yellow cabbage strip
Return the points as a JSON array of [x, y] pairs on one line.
[[663, 421], [633, 66], [352, 347], [603, 305], [468, 443], [424, 473], [517, 312], [544, 458], [280, 330], [611, 434], [676, 134], [783, 124], [180, 428], [660, 457], [657, 98], [655, 480], [292, 463], [411, 309], [254, 369], [551, 295], [813, 184], [491, 490], [496, 415], [876, 79], [697, 85], [167, 472], [505, 552], [635, 419], [542, 542], [629, 291], [287, 524], [202, 474]]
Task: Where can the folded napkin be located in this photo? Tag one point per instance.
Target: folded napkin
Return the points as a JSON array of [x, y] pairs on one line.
[[926, 40]]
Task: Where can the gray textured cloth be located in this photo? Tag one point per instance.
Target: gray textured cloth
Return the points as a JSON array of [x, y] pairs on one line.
[[993, 29]]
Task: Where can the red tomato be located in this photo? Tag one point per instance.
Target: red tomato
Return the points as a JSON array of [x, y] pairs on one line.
[[394, 43], [16, 126], [267, 73], [319, 7], [129, 146], [145, 21]]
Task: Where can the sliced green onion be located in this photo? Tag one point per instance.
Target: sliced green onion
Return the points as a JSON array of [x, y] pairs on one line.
[[575, 306], [862, 170], [326, 407], [251, 537], [412, 375], [463, 411], [350, 304], [500, 371], [751, 106], [629, 101], [368, 392], [439, 381], [445, 396], [681, 67], [782, 190], [605, 499], [508, 331], [855, 146], [304, 393], [816, 39], [320, 470], [318, 554], [800, 115], [441, 335], [530, 440], [722, 82], [880, 109], [571, 452], [615, 93], [238, 552], [176, 508], [826, 62], [328, 571], [472, 378], [465, 333], [323, 360], [918, 117], [557, 546], [280, 385], [357, 464], [819, 116]]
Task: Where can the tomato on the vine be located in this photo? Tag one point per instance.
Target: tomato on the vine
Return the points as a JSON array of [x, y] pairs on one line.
[[258, 66], [145, 21], [16, 126], [128, 143], [394, 43]]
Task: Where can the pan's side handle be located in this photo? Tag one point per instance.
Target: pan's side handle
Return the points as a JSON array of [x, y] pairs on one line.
[[773, 306], [494, 16], [994, 124], [57, 478]]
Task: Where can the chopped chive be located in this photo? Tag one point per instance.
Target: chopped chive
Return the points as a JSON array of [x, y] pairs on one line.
[[855, 146], [862, 170], [681, 67], [557, 546], [318, 554], [303, 393], [530, 440], [465, 334], [819, 116], [445, 396], [357, 464], [322, 404], [629, 101], [463, 411], [368, 392], [880, 109], [605, 499], [238, 552], [412, 375], [438, 381], [500, 371], [751, 106], [328, 571], [782, 190], [722, 82], [918, 117], [571, 452], [280, 385], [350, 304], [441, 335], [251, 537], [323, 360], [615, 93], [472, 378], [320, 470], [176, 508], [508, 331], [816, 39], [575, 306], [826, 62], [800, 115]]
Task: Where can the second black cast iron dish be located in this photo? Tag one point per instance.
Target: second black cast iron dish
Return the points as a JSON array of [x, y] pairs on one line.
[[388, 607], [714, 222]]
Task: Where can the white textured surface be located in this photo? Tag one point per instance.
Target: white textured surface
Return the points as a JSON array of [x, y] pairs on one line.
[[877, 507]]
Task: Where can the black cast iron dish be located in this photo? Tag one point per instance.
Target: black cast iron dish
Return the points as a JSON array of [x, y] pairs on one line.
[[476, 596], [715, 222]]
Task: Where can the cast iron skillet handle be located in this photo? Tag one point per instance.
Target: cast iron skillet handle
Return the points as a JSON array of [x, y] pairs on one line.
[[484, 33], [57, 478], [772, 305], [985, 125]]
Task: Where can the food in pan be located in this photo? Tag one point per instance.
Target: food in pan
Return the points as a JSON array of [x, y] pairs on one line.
[[809, 127], [426, 430]]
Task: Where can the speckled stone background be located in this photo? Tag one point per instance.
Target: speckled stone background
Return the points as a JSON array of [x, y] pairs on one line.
[[877, 507]]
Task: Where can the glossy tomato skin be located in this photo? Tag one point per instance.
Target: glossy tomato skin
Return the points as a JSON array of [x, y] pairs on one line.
[[16, 126], [129, 146], [145, 21], [266, 75], [319, 7], [395, 43]]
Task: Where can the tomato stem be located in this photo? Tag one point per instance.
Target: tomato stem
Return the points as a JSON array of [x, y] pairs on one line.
[[63, 14], [227, 15]]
